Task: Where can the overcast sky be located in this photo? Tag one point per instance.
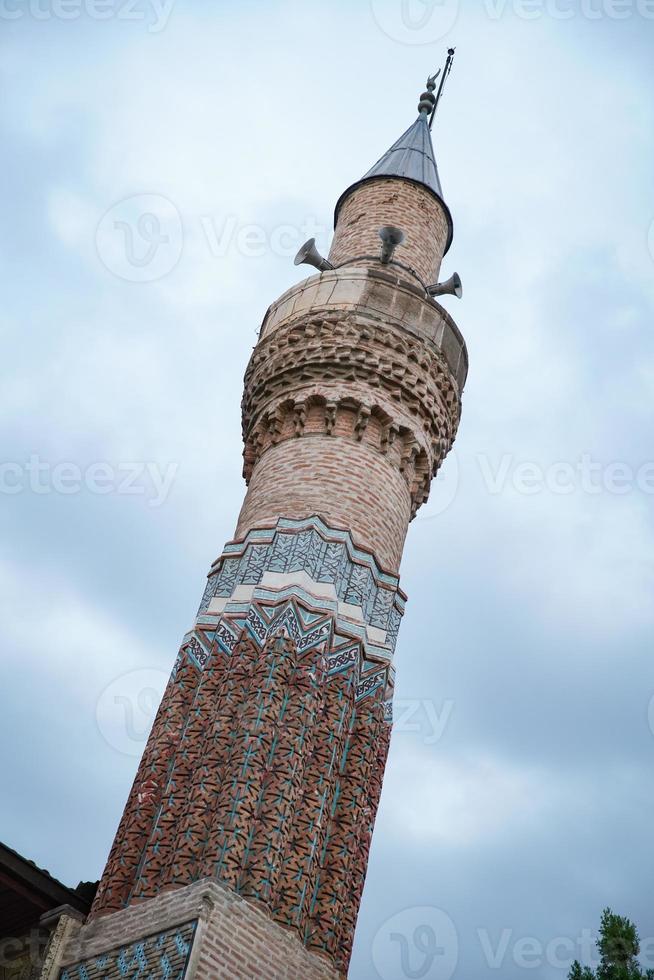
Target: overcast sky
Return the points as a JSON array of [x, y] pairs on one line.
[[519, 797]]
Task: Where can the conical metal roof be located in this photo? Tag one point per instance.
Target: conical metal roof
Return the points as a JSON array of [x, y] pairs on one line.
[[412, 158]]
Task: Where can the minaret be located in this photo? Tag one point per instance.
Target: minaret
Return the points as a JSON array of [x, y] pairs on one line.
[[243, 847]]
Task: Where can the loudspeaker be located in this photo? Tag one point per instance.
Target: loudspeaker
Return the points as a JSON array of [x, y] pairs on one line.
[[309, 255]]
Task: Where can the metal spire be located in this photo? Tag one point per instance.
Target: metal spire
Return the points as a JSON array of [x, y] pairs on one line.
[[411, 157], [446, 72], [427, 100]]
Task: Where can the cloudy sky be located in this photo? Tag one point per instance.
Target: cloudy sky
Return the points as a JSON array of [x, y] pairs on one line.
[[519, 795]]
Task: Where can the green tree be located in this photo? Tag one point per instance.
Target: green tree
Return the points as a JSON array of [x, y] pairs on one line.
[[579, 973], [618, 946]]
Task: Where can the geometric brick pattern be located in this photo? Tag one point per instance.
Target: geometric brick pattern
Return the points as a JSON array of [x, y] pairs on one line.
[[235, 937], [325, 555], [388, 202], [265, 763], [264, 767], [273, 786], [161, 957], [354, 376], [347, 484]]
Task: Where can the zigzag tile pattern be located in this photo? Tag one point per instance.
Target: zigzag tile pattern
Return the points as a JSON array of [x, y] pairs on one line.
[[265, 762], [325, 554], [264, 766]]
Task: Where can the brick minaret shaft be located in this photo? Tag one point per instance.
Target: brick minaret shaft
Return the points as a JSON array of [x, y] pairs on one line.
[[261, 778]]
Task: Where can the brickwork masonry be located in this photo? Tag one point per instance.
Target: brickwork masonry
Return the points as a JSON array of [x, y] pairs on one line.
[[410, 207], [234, 939], [265, 763]]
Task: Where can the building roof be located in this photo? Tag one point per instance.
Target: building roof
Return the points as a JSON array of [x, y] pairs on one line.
[[411, 158], [27, 892]]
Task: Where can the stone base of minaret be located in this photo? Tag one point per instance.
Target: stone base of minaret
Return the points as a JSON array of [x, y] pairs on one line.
[[204, 931]]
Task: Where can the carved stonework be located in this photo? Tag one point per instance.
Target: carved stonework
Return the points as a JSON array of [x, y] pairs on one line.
[[263, 770], [349, 373], [264, 789]]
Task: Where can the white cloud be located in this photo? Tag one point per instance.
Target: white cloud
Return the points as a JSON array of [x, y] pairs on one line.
[[69, 642], [544, 150], [463, 801], [71, 217]]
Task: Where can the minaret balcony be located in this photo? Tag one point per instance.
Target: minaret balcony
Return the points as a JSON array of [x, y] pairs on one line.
[[392, 297]]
